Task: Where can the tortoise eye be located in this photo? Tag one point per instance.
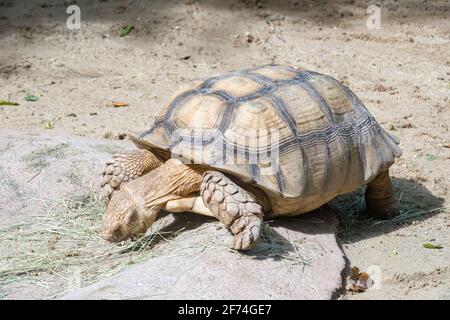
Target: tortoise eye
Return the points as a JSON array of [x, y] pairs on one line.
[[117, 233], [133, 217]]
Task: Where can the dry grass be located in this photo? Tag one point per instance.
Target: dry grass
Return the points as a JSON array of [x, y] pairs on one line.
[[288, 251], [64, 243]]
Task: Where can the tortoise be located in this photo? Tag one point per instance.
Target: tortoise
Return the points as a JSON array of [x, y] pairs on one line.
[[251, 144]]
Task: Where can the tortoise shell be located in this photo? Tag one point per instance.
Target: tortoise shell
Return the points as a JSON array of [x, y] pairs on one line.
[[293, 133]]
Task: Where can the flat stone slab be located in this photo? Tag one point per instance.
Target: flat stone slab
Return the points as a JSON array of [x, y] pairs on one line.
[[298, 258]]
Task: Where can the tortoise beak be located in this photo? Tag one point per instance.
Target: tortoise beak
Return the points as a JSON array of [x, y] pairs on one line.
[[116, 235], [107, 236], [110, 237]]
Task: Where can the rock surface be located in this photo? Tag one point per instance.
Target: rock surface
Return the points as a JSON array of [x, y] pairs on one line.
[[270, 271], [297, 259], [34, 168]]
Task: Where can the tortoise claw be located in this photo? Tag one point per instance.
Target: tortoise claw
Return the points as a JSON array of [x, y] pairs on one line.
[[245, 239]]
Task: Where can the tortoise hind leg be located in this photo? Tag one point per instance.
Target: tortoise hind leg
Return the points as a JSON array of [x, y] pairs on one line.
[[380, 201], [233, 206], [124, 167]]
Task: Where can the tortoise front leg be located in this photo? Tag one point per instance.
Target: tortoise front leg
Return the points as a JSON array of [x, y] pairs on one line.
[[124, 167], [233, 206], [380, 201]]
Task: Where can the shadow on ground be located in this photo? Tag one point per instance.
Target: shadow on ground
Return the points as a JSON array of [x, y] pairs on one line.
[[23, 14], [416, 203]]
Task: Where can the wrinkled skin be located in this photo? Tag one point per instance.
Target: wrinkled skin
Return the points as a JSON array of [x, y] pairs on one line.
[[134, 208], [122, 220]]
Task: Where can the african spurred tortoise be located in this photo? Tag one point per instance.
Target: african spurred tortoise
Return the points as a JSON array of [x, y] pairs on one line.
[[251, 144]]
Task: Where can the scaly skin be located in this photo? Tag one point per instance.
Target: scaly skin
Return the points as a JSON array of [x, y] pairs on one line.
[[233, 206], [125, 167], [134, 207]]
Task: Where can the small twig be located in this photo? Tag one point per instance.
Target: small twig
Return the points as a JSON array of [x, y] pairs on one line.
[[34, 176]]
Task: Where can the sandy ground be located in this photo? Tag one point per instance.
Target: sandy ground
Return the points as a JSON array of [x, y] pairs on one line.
[[401, 71]]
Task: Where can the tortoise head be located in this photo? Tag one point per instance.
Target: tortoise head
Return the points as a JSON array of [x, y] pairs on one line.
[[123, 219], [134, 208]]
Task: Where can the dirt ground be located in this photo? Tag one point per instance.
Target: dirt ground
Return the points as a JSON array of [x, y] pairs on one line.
[[401, 71]]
